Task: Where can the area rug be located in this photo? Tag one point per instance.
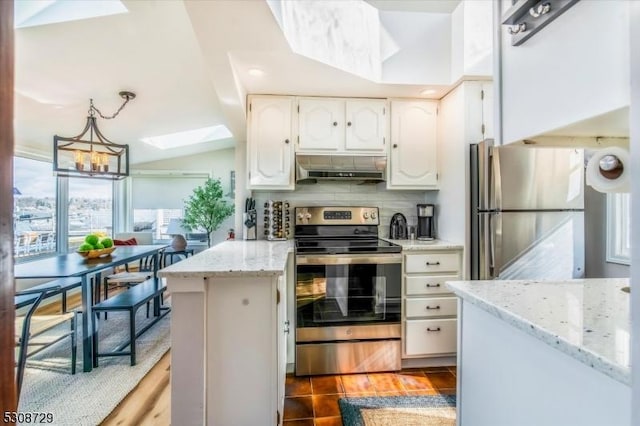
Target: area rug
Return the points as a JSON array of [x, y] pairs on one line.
[[87, 398], [428, 410]]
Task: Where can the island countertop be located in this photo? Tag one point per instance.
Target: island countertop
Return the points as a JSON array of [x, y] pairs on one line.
[[587, 319], [234, 258]]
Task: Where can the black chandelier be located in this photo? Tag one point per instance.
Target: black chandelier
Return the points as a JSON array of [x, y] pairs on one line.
[[100, 158]]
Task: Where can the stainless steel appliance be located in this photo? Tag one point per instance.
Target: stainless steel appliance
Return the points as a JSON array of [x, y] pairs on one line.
[[348, 292], [360, 168], [527, 218], [398, 227], [426, 222]]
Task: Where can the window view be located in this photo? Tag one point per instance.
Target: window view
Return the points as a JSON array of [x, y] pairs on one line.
[[155, 220], [90, 209], [34, 218]]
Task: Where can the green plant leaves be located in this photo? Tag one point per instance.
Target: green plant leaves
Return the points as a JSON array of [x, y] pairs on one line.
[[207, 208]]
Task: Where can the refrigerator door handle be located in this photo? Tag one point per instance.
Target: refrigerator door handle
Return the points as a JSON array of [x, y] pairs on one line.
[[496, 180], [495, 243]]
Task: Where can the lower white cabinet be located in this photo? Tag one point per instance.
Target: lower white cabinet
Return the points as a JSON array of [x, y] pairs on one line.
[[429, 310], [431, 337]]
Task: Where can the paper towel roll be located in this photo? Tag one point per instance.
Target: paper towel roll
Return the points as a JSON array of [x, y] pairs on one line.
[[617, 179]]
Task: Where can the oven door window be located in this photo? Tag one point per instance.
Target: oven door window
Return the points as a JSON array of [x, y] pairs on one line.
[[333, 295]]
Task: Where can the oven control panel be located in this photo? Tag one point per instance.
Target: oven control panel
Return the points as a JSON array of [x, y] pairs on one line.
[[337, 216]]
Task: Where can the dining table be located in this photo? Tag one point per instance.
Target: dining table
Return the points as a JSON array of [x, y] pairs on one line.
[[75, 265]]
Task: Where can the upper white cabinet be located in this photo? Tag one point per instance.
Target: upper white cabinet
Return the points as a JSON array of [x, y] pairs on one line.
[[270, 142], [413, 154], [342, 125]]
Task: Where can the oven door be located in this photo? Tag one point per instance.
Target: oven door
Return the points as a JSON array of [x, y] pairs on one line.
[[347, 289]]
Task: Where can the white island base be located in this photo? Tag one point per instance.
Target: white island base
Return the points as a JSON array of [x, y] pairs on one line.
[[507, 377], [224, 351]]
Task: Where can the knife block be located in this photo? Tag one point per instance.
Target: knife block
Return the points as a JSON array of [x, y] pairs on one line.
[[250, 232], [276, 220]]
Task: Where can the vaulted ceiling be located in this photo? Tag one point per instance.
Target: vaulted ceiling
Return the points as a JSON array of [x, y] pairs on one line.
[[186, 61]]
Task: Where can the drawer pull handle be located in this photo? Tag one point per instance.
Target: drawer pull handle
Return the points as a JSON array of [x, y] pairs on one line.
[[433, 263], [430, 308], [432, 285], [433, 329]]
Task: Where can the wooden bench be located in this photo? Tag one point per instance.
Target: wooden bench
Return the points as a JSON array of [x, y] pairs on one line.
[[60, 286], [129, 300]]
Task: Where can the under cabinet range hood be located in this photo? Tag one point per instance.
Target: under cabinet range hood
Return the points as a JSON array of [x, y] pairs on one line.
[[367, 168]]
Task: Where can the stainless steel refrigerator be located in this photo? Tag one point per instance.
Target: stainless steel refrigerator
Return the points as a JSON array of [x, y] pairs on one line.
[[527, 219]]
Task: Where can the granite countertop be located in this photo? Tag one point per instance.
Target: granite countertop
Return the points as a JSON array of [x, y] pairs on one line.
[[587, 319], [234, 258], [410, 245]]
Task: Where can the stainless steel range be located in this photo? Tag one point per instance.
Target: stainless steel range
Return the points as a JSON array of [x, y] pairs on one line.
[[348, 285]]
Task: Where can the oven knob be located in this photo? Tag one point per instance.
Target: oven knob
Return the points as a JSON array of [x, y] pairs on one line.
[[373, 215], [307, 216], [366, 215], [300, 216]]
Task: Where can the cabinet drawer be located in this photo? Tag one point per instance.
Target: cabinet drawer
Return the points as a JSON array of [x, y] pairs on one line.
[[432, 262], [430, 337], [431, 307], [415, 286]]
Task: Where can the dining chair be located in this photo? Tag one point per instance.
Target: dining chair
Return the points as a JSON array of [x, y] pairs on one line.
[[33, 333]]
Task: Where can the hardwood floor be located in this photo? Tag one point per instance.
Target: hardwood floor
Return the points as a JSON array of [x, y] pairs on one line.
[[311, 401]]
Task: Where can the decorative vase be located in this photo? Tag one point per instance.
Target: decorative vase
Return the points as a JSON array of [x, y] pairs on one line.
[[178, 243]]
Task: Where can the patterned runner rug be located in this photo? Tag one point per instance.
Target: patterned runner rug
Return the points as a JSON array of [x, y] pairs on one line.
[[431, 410]]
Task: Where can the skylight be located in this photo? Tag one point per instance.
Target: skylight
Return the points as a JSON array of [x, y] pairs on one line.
[[189, 137], [343, 34], [30, 13]]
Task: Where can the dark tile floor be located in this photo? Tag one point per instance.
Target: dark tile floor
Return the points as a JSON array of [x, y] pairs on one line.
[[313, 401]]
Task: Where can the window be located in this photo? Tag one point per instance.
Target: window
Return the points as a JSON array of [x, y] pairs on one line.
[[90, 209], [158, 197], [618, 228], [34, 218]]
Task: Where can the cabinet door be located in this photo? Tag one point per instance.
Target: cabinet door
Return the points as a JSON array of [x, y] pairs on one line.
[[270, 145], [413, 161], [366, 125], [321, 125], [487, 110]]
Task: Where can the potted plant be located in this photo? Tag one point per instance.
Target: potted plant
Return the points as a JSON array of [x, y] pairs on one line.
[[206, 208]]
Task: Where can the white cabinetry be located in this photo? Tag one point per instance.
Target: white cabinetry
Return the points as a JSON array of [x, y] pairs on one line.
[[329, 125], [413, 162], [270, 142], [428, 309]]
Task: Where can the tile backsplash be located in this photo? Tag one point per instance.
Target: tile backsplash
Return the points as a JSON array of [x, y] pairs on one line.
[[348, 194]]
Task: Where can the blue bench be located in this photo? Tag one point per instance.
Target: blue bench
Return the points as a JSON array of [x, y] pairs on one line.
[[129, 300]]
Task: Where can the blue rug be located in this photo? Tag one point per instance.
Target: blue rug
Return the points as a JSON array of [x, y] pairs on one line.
[[398, 410]]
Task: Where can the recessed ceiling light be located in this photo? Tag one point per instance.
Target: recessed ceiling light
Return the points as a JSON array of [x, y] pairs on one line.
[[427, 92], [256, 72], [189, 137]]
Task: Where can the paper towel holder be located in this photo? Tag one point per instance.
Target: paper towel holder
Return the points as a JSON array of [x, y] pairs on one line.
[[610, 166]]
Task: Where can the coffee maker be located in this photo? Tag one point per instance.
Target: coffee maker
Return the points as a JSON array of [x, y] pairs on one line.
[[426, 222]]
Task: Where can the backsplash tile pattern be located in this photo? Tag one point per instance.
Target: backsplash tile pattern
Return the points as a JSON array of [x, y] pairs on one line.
[[348, 194]]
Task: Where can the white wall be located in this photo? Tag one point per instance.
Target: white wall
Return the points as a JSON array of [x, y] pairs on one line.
[[218, 163], [424, 44], [575, 68], [471, 39]]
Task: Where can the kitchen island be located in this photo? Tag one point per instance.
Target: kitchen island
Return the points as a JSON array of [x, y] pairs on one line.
[[228, 334], [543, 353]]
